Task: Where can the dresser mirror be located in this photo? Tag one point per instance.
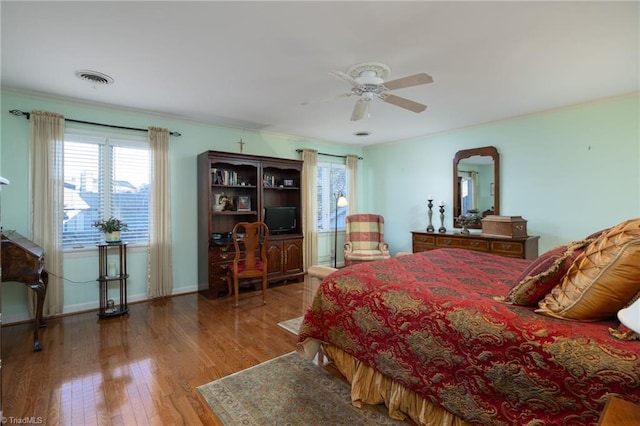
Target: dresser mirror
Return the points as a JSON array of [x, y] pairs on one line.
[[476, 183]]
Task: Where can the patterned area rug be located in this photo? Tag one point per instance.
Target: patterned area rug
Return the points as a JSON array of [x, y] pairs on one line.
[[292, 325], [288, 390]]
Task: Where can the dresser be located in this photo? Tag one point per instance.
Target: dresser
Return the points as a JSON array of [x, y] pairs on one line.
[[524, 248]]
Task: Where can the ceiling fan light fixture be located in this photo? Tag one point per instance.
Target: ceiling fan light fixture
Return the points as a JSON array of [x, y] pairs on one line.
[[369, 69], [367, 96]]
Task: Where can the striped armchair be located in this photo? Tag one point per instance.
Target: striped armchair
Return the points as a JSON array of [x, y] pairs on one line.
[[365, 233]]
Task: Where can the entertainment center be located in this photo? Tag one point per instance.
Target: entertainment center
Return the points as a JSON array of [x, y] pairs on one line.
[[236, 188]]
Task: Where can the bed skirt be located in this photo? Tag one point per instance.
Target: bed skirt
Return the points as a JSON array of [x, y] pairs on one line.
[[368, 386]]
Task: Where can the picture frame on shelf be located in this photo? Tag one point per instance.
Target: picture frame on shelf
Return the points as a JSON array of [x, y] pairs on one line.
[[243, 203]]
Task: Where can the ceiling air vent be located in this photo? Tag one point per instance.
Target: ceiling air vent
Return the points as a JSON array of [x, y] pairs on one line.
[[94, 77], [362, 133]]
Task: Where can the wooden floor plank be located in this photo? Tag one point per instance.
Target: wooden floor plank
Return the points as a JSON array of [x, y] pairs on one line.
[[143, 368]]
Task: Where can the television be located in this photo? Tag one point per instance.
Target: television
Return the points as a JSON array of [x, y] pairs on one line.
[[280, 220]]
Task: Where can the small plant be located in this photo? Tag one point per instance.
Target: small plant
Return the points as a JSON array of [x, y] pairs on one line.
[[471, 218], [110, 225]]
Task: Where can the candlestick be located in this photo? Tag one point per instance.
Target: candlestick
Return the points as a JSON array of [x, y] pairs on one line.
[[430, 227], [442, 229]]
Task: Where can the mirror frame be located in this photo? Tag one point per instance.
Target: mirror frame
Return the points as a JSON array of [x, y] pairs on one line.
[[487, 151]]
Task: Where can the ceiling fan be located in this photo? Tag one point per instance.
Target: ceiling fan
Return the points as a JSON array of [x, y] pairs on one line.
[[367, 82]]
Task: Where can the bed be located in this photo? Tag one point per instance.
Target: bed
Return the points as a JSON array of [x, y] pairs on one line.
[[433, 337]]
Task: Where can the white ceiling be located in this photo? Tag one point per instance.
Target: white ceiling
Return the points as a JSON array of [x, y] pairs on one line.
[[251, 64]]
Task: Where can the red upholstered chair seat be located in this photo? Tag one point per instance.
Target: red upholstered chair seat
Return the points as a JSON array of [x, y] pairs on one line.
[[242, 266]]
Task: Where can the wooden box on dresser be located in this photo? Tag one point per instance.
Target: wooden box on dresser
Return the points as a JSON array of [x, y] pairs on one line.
[[258, 182], [520, 247]]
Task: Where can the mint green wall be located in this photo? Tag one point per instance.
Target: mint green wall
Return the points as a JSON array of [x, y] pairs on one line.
[[569, 172], [80, 269]]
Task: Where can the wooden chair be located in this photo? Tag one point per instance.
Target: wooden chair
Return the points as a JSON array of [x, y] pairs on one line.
[[250, 260]]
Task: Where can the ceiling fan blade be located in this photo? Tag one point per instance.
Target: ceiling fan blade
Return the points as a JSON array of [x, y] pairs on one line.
[[404, 103], [412, 80], [328, 98], [359, 110], [345, 77]]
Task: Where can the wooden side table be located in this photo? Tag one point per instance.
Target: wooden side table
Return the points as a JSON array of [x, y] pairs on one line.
[[618, 412]]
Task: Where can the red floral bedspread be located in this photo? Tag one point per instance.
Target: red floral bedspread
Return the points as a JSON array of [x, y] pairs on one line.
[[430, 322]]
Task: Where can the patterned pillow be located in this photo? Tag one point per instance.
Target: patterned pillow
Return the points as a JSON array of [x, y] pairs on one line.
[[544, 273], [602, 280], [597, 234]]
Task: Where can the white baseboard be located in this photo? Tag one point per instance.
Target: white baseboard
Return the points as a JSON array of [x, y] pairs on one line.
[[93, 305]]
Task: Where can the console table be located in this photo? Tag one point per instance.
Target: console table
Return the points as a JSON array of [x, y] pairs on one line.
[[524, 248]]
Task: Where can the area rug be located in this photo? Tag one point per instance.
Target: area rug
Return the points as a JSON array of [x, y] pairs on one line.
[[292, 325], [288, 390]]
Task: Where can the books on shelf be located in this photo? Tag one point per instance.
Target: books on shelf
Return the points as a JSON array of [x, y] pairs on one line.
[[224, 177], [269, 180]]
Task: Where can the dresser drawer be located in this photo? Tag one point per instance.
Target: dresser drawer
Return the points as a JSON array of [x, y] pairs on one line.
[[424, 239], [423, 242], [464, 243], [451, 242], [220, 256], [524, 247], [508, 248], [219, 267], [472, 244], [218, 284]]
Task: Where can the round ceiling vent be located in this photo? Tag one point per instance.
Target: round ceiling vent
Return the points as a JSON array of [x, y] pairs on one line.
[[94, 77]]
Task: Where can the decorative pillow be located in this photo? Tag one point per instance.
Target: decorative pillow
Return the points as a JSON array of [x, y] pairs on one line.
[[597, 234], [602, 280], [544, 273]]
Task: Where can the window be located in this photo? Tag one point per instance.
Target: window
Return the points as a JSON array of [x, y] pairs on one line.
[[332, 179], [103, 177]]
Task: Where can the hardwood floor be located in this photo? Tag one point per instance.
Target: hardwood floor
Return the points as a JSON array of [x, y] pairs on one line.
[[143, 368]]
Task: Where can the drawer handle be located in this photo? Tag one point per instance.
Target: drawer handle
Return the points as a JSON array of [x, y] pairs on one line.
[[423, 239], [446, 242], [224, 248], [505, 246], [474, 243], [224, 256], [224, 267], [520, 227]]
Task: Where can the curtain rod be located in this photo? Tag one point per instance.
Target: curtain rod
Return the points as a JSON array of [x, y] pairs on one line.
[[328, 155], [19, 113]]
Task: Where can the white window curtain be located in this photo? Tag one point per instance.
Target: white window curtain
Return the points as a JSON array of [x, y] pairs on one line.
[[160, 265], [474, 193], [352, 180], [309, 203], [46, 141]]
